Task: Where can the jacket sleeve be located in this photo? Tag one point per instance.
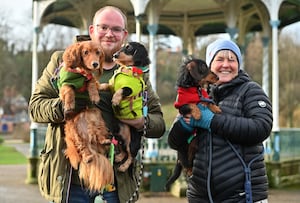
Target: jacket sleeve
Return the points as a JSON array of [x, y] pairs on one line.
[[155, 122], [178, 135], [254, 122], [45, 105]]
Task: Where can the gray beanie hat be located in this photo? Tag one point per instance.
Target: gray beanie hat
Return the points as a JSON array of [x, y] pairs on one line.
[[222, 44]]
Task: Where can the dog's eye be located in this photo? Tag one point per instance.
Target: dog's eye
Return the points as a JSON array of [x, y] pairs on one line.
[[129, 49], [86, 52], [98, 52]]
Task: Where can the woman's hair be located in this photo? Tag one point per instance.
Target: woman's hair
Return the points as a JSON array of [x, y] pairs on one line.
[[222, 44]]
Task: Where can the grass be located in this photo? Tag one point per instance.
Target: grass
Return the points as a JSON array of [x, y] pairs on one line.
[[170, 113], [9, 156]]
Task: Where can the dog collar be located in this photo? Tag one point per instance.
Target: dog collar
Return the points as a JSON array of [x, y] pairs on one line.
[[144, 68], [82, 72], [137, 70]]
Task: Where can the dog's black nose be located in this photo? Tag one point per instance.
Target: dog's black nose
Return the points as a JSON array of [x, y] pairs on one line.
[[95, 64], [116, 55]]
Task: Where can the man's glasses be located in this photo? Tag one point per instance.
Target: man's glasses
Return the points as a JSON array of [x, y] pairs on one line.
[[103, 29]]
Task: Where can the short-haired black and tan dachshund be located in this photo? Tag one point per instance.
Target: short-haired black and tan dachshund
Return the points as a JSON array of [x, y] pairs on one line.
[[128, 86], [194, 76]]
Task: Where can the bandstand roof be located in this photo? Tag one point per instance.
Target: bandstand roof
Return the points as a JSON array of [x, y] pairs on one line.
[[204, 16]]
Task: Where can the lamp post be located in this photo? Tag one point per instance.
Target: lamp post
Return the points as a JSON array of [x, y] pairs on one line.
[[33, 157], [139, 7], [38, 7]]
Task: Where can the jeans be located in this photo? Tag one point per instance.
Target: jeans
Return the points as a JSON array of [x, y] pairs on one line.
[[111, 197], [80, 195]]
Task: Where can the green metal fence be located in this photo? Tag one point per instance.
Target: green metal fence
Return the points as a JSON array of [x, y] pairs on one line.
[[282, 157], [283, 145]]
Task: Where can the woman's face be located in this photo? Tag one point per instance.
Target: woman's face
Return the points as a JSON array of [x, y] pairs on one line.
[[225, 65]]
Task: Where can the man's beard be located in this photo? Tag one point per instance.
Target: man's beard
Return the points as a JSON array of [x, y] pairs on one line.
[[108, 58], [109, 55]]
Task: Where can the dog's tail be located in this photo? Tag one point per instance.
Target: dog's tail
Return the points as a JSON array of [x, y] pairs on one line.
[[174, 176], [95, 169], [97, 173]]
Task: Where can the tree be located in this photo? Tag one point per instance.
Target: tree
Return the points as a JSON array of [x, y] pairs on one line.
[[254, 57], [289, 83]]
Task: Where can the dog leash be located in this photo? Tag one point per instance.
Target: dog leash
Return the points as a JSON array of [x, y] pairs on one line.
[[141, 171], [113, 143], [111, 156], [247, 170]]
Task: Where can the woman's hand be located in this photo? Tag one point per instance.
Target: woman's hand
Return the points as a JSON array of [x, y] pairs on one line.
[[204, 121]]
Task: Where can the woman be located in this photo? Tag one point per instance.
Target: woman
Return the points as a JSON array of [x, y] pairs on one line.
[[229, 164]]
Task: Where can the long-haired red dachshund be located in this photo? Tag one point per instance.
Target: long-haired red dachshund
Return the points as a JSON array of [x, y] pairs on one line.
[[86, 135]]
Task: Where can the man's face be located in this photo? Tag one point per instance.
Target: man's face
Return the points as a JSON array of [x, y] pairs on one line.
[[109, 30]]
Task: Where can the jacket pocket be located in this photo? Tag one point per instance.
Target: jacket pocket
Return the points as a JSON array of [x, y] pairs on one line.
[[44, 177]]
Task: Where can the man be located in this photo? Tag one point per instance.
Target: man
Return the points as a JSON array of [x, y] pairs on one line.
[[58, 182]]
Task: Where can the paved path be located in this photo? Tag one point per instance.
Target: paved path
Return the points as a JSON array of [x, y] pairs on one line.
[[13, 188]]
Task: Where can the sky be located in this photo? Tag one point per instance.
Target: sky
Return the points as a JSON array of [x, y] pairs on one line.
[[18, 8], [17, 15]]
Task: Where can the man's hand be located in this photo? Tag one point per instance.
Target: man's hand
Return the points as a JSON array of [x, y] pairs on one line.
[[136, 123]]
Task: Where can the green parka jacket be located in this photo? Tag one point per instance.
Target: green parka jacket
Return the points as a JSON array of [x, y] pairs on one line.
[[55, 172]]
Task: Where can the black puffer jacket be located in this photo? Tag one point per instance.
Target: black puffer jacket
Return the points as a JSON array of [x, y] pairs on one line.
[[245, 122]]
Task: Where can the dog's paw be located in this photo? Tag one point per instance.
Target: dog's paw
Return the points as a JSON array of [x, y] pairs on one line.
[[214, 108], [120, 157], [188, 172], [123, 167], [69, 114], [195, 111], [69, 106], [116, 99], [95, 98], [87, 159], [103, 86], [105, 142]]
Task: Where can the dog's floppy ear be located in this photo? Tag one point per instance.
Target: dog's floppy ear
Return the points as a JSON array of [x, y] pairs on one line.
[[72, 55], [198, 69], [101, 59], [141, 57], [192, 68]]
